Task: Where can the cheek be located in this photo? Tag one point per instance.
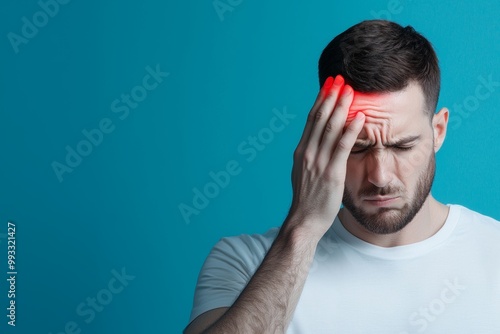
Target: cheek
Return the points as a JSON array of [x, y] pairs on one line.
[[412, 164]]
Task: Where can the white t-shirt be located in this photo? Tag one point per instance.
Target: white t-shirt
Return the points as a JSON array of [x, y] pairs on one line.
[[448, 283]]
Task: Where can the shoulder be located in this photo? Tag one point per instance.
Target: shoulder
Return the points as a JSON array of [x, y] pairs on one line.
[[234, 259], [478, 217], [228, 268], [246, 246], [476, 221], [239, 255]]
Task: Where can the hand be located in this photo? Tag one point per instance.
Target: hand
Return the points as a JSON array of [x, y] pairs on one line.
[[319, 161]]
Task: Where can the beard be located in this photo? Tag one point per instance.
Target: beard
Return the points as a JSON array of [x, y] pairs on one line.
[[391, 220]]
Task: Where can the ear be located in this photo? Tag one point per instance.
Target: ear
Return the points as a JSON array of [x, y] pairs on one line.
[[439, 126]]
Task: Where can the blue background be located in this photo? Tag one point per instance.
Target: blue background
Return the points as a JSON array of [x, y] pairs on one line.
[[119, 208]]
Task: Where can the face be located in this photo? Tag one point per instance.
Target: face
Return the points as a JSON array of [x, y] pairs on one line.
[[391, 167]]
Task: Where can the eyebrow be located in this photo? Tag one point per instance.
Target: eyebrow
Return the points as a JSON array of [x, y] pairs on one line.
[[405, 140]]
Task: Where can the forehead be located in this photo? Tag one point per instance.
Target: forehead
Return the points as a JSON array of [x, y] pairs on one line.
[[390, 114]]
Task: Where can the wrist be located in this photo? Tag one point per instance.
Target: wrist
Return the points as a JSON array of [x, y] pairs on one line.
[[302, 231]]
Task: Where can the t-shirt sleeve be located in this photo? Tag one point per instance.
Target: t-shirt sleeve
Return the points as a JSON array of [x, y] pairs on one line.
[[227, 269]]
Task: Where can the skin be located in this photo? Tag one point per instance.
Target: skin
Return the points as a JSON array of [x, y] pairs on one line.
[[379, 165], [267, 303], [324, 170]]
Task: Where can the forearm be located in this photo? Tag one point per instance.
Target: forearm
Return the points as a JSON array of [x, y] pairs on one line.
[[267, 303]]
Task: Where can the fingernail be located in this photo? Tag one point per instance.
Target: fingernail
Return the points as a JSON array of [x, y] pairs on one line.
[[347, 90], [359, 116], [339, 80], [327, 85]]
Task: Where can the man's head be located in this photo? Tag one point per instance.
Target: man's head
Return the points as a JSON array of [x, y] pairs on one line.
[[395, 75], [379, 56]]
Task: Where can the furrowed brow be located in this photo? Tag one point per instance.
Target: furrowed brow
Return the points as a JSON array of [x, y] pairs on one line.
[[363, 143]]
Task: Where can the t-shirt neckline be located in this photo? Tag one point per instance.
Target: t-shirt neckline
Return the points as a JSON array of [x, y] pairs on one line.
[[399, 252]]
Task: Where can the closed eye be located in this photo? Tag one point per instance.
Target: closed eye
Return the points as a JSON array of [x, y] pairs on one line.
[[359, 150], [364, 149], [403, 148]]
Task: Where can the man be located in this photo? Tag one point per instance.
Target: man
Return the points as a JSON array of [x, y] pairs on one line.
[[393, 259]]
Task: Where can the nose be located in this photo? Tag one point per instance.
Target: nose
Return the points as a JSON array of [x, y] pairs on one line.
[[379, 169]]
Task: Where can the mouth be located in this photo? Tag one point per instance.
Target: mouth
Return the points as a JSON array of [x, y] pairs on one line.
[[381, 200]]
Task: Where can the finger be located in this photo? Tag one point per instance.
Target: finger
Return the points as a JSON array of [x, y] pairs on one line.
[[310, 117], [345, 144], [335, 124], [339, 116], [323, 114], [377, 117]]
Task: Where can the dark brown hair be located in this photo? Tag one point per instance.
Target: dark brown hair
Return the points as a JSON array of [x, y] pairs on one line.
[[382, 56]]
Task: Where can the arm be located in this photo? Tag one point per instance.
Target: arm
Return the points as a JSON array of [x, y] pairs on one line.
[[267, 303]]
